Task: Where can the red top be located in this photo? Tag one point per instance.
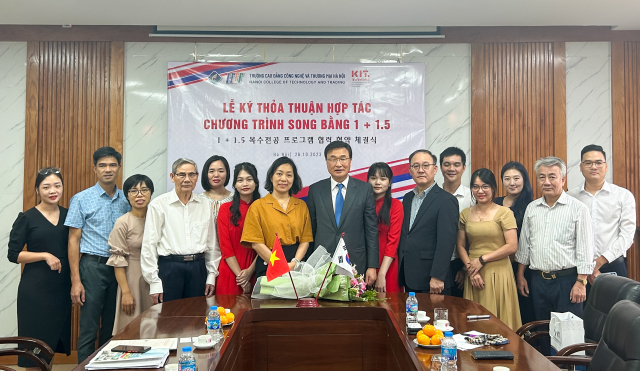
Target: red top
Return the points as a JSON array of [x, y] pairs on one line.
[[229, 236], [388, 240]]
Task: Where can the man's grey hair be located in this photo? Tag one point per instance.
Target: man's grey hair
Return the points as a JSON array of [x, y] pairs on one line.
[[182, 161], [551, 161]]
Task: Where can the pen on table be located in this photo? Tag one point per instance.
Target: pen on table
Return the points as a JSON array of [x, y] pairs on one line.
[[478, 317]]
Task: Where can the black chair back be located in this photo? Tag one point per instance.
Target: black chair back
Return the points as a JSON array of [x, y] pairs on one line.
[[619, 348], [607, 290]]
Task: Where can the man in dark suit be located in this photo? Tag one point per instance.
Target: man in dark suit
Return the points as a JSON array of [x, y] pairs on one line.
[[429, 229], [341, 204]]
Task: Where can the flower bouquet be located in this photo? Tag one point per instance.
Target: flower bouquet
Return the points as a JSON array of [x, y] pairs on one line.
[[309, 275]]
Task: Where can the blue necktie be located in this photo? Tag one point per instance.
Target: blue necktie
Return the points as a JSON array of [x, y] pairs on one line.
[[339, 204]]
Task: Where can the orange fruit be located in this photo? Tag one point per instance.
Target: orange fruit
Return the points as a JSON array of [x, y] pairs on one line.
[[221, 311], [424, 340], [420, 333], [230, 317], [438, 332], [223, 320], [429, 330], [437, 339]]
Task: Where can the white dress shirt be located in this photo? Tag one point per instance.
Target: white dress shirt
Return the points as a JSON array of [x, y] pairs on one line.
[[557, 237], [613, 216], [173, 228], [463, 194], [334, 191]]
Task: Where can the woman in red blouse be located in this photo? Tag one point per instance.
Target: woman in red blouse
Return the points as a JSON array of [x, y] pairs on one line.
[[390, 216], [238, 262]]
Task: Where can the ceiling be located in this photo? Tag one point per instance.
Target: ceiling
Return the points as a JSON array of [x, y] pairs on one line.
[[620, 14]]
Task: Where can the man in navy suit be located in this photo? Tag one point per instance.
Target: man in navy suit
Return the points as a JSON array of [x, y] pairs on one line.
[[341, 204], [429, 229]]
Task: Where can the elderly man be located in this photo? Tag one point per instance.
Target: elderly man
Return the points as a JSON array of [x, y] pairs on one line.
[[429, 230], [613, 212], [556, 242], [179, 256]]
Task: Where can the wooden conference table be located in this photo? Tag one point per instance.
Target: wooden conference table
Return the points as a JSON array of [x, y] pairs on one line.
[[275, 335]]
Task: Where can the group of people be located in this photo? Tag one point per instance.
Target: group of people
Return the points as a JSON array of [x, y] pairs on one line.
[[117, 252]]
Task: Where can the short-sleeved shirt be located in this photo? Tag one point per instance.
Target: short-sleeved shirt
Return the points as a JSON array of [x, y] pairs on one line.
[[266, 217], [95, 212]]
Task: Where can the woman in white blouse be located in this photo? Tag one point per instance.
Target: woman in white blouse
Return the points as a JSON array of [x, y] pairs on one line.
[[214, 179]]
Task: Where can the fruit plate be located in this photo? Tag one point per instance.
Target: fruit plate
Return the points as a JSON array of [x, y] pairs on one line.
[[415, 341], [229, 324]]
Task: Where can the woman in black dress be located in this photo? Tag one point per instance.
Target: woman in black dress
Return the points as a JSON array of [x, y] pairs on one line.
[[515, 180], [46, 281]]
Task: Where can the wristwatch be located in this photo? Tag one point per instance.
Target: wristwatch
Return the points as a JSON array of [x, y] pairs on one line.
[[295, 260], [584, 282]]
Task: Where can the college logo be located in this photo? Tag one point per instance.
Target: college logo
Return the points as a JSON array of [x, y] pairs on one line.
[[214, 77], [359, 77], [234, 78]]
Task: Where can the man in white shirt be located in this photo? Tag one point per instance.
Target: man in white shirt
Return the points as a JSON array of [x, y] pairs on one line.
[[453, 164], [556, 242], [179, 256], [613, 213]]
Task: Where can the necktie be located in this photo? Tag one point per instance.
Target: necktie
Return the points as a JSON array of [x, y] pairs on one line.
[[339, 204]]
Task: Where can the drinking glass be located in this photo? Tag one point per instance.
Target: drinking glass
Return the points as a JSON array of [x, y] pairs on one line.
[[440, 313], [436, 362]]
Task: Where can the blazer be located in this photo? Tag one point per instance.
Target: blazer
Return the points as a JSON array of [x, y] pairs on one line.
[[358, 221], [425, 249]]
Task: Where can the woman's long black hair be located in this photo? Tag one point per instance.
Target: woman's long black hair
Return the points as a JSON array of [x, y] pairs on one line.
[[382, 169], [235, 203], [526, 196]]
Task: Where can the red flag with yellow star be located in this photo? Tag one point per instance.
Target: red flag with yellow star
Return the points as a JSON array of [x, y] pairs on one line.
[[277, 264]]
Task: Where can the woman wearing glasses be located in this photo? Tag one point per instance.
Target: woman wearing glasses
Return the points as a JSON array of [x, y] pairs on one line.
[[46, 279], [125, 242], [279, 212], [490, 230]]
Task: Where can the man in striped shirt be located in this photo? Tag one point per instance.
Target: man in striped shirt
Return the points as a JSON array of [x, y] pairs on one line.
[[556, 242]]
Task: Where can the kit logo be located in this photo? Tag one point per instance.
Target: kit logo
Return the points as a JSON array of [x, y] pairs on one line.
[[360, 76], [214, 77], [234, 78]]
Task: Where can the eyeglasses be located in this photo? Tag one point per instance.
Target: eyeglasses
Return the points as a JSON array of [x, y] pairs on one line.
[[417, 167], [184, 175], [49, 171], [143, 191], [484, 187], [342, 160], [591, 163]]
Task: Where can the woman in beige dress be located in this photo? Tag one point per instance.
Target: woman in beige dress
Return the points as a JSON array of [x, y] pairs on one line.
[[490, 230], [125, 242], [214, 180]]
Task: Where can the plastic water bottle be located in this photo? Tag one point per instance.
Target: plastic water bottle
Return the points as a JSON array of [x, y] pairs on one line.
[[187, 361], [449, 348], [412, 308], [213, 325]]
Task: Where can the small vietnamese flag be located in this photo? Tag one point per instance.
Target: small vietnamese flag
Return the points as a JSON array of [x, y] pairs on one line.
[[277, 264]]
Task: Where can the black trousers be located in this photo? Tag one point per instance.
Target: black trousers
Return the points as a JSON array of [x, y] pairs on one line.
[[182, 279], [552, 296], [454, 267], [99, 309], [525, 302]]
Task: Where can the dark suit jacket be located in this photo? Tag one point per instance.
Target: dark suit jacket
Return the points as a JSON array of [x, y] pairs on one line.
[[425, 250], [358, 221]]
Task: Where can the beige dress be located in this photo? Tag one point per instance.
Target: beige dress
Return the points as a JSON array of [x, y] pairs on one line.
[[125, 242], [500, 295]]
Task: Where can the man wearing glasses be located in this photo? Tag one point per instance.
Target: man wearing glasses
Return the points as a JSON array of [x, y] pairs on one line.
[[613, 214], [341, 204], [92, 214], [429, 230], [179, 258]]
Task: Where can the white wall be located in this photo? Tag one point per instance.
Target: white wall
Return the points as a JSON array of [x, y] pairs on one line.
[[588, 104], [13, 71]]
